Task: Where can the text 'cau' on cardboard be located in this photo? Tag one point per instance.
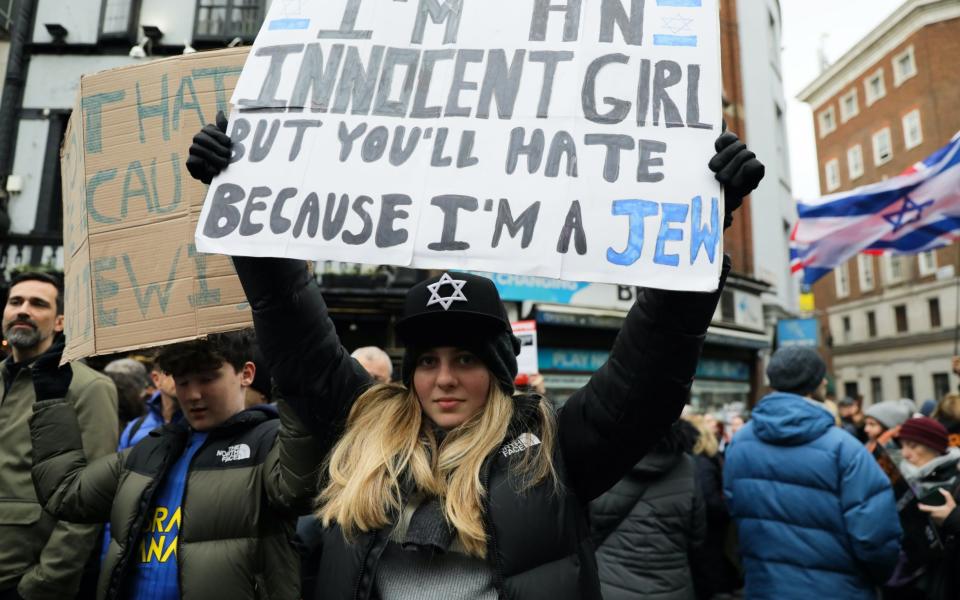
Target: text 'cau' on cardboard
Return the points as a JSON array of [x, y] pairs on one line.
[[133, 275]]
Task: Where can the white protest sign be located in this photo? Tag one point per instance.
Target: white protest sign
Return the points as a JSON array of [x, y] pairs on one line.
[[528, 361], [533, 137]]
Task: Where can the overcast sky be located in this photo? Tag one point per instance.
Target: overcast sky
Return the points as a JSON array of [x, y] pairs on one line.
[[805, 23]]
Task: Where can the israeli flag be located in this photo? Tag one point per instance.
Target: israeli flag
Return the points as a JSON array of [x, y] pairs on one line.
[[914, 212]]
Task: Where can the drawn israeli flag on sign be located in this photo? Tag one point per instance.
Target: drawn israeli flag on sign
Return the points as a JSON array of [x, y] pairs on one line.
[[675, 27], [289, 24]]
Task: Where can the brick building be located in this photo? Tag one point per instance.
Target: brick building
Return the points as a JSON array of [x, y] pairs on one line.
[[889, 321]]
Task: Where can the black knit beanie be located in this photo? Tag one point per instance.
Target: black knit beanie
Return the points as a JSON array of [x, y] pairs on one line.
[[796, 370], [463, 311]]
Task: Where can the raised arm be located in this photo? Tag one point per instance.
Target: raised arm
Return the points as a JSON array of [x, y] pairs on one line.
[[634, 398], [293, 465], [314, 373]]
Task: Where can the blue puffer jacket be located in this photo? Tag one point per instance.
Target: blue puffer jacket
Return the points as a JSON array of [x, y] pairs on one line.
[[815, 514]]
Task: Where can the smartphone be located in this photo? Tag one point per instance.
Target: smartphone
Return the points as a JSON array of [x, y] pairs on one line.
[[933, 498]]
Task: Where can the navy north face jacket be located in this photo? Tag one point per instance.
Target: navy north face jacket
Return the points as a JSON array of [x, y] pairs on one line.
[[815, 514]]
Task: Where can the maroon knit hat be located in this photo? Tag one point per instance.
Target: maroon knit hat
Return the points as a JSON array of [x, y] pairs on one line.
[[926, 431]]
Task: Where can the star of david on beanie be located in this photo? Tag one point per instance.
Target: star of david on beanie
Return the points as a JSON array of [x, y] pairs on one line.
[[462, 311]]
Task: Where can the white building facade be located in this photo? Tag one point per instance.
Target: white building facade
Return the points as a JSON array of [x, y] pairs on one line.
[[773, 209]]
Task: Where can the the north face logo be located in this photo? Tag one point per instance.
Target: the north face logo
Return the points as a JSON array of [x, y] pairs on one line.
[[236, 452], [524, 442]]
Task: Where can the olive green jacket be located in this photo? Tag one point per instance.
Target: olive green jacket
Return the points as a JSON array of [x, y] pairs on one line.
[[47, 557], [245, 487]]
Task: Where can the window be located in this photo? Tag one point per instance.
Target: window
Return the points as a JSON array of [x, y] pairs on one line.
[[117, 19], [906, 386], [927, 262], [849, 106], [846, 329], [728, 311], [828, 122], [865, 272], [842, 275], [851, 389], [874, 87], [871, 324], [225, 19], [941, 385], [900, 315], [876, 389], [781, 135], [855, 161], [904, 66], [894, 269], [49, 211], [773, 39], [882, 147], [934, 305], [832, 174], [912, 130]]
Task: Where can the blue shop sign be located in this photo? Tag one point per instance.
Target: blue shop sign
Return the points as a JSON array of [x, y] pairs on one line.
[[797, 333], [729, 370], [562, 359]]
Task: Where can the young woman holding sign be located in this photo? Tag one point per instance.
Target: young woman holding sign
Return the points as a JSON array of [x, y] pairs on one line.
[[450, 485]]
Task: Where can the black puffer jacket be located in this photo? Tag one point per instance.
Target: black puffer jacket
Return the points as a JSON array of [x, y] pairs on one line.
[[713, 572], [539, 541], [646, 525]]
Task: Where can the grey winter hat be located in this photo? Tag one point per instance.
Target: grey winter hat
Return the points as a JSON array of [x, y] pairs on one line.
[[796, 370], [891, 413]]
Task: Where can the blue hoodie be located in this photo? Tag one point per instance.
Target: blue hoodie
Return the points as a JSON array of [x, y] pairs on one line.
[[815, 514]]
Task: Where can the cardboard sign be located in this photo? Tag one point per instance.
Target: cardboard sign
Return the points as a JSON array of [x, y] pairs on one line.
[[132, 273], [566, 140], [528, 359]]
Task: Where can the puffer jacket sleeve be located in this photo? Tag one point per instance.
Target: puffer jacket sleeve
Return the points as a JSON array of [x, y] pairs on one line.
[[67, 486], [293, 465], [869, 511], [313, 371], [634, 398]]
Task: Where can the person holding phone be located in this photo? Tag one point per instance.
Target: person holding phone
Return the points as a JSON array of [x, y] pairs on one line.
[[931, 468]]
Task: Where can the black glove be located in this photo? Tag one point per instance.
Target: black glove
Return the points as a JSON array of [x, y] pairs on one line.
[[210, 151], [737, 169], [50, 381]]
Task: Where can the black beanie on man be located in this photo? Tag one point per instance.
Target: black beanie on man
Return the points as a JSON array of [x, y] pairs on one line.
[[463, 311], [796, 370]]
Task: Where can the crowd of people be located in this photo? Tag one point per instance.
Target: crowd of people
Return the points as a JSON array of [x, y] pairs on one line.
[[272, 463]]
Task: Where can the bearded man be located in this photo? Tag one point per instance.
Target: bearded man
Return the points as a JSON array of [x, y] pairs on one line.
[[40, 557]]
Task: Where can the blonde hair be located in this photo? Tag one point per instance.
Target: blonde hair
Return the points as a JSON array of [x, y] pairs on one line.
[[948, 407], [388, 442], [707, 443]]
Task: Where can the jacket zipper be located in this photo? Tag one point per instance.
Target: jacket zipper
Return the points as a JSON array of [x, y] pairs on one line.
[[183, 512], [146, 501], [363, 564], [493, 556]]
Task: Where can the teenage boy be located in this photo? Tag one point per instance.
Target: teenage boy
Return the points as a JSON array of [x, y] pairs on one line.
[[201, 508]]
